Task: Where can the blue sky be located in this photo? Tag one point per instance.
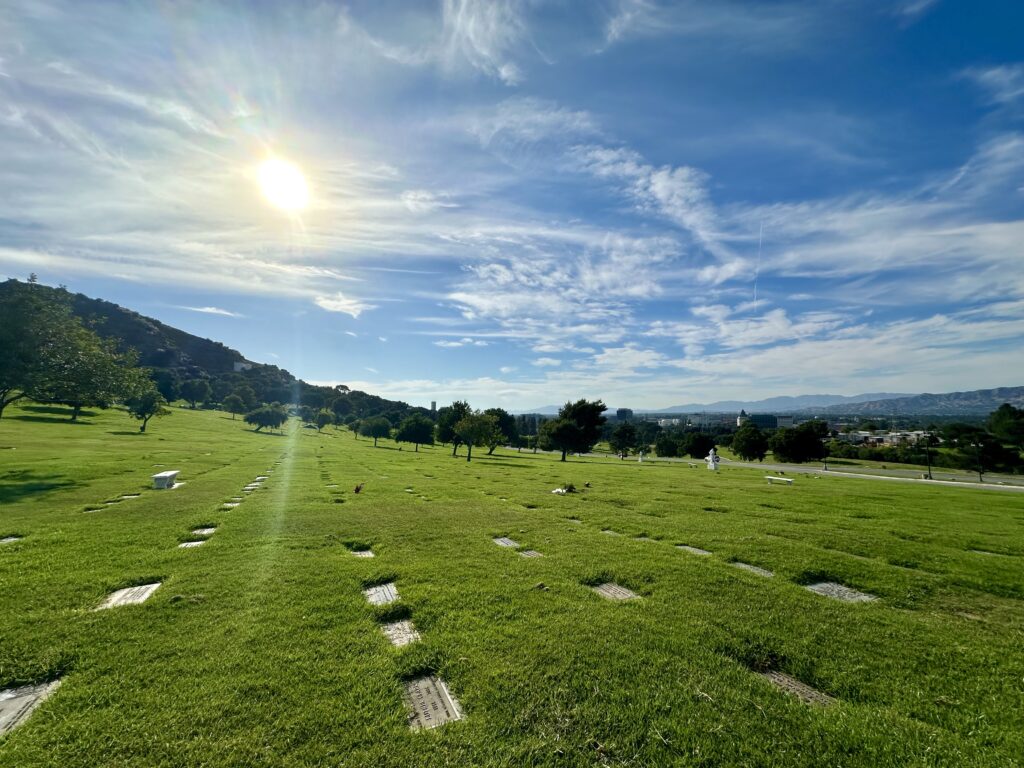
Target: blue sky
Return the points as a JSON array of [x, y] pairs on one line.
[[520, 202]]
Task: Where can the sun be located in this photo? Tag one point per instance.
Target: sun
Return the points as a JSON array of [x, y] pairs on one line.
[[283, 184]]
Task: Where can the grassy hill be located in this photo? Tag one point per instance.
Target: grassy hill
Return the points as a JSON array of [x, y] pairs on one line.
[[259, 647]]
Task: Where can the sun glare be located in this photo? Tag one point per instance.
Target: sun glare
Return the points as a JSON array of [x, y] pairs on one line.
[[283, 184]]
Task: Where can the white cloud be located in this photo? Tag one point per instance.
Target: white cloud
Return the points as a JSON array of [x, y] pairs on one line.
[[212, 311], [484, 33], [353, 334], [338, 302], [424, 201], [544, 362], [508, 369], [1004, 84], [463, 342]]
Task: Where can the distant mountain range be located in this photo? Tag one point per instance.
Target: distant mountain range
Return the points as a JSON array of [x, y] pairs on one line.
[[979, 402], [783, 404]]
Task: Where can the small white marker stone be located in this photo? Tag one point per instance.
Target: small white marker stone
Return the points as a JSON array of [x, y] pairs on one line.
[[840, 592], [382, 594], [230, 504], [504, 541], [610, 532], [430, 703], [615, 592], [530, 553], [129, 596], [131, 496], [10, 539], [803, 691], [261, 478], [754, 569], [204, 531], [191, 544], [363, 553], [692, 550], [400, 633], [16, 704]]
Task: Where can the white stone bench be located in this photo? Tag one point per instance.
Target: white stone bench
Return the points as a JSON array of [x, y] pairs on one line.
[[164, 480], [773, 479]]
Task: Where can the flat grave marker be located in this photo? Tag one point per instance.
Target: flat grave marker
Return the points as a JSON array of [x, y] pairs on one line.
[[615, 592], [131, 495], [530, 553], [203, 531], [230, 504], [840, 592], [16, 704], [504, 541], [754, 569], [692, 550], [610, 532], [129, 596], [382, 594], [400, 632], [10, 539], [191, 544], [363, 553], [801, 690], [430, 703]]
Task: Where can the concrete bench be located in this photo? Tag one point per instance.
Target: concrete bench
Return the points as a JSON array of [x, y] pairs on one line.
[[773, 479], [164, 480]]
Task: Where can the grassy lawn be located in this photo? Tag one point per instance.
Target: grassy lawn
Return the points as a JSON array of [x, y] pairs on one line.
[[259, 648]]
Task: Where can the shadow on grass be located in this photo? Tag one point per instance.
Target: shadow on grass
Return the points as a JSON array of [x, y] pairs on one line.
[[51, 419], [25, 483], [127, 432], [58, 410]]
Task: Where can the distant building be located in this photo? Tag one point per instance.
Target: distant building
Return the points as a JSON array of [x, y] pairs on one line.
[[764, 420], [784, 421], [742, 418], [624, 414], [433, 406], [668, 422]]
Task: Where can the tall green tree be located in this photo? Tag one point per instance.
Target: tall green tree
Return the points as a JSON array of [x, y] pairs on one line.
[[750, 443], [447, 418], [80, 370], [1007, 424], [29, 324], [477, 429], [623, 438], [233, 404], [696, 445], [375, 427], [324, 418], [506, 432], [416, 429], [577, 428], [195, 391]]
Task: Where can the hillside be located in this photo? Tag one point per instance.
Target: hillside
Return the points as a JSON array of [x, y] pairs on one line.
[[176, 356], [978, 402], [780, 404]]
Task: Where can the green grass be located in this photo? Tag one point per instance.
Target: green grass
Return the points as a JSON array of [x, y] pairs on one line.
[[260, 649]]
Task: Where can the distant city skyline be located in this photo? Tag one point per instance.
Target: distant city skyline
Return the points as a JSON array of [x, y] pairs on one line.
[[522, 203]]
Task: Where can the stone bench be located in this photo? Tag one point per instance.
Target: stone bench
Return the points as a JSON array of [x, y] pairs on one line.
[[164, 480], [773, 479]]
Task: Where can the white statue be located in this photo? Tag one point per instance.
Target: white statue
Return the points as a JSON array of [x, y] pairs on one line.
[[712, 460]]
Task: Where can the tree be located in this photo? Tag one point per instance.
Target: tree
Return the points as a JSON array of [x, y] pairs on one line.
[[220, 389], [477, 429], [506, 432], [799, 444], [270, 416], [247, 395], [750, 443], [195, 390], [447, 418], [666, 445], [79, 369], [696, 445], [146, 404], [577, 428], [167, 383], [375, 427], [354, 426], [417, 429], [341, 407], [233, 404], [623, 438], [1007, 423], [323, 418], [29, 324]]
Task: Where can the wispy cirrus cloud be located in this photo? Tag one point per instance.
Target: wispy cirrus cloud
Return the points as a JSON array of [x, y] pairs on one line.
[[339, 302], [213, 311]]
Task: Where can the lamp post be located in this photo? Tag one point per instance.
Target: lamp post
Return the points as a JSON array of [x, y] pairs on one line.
[[928, 452], [977, 454]]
